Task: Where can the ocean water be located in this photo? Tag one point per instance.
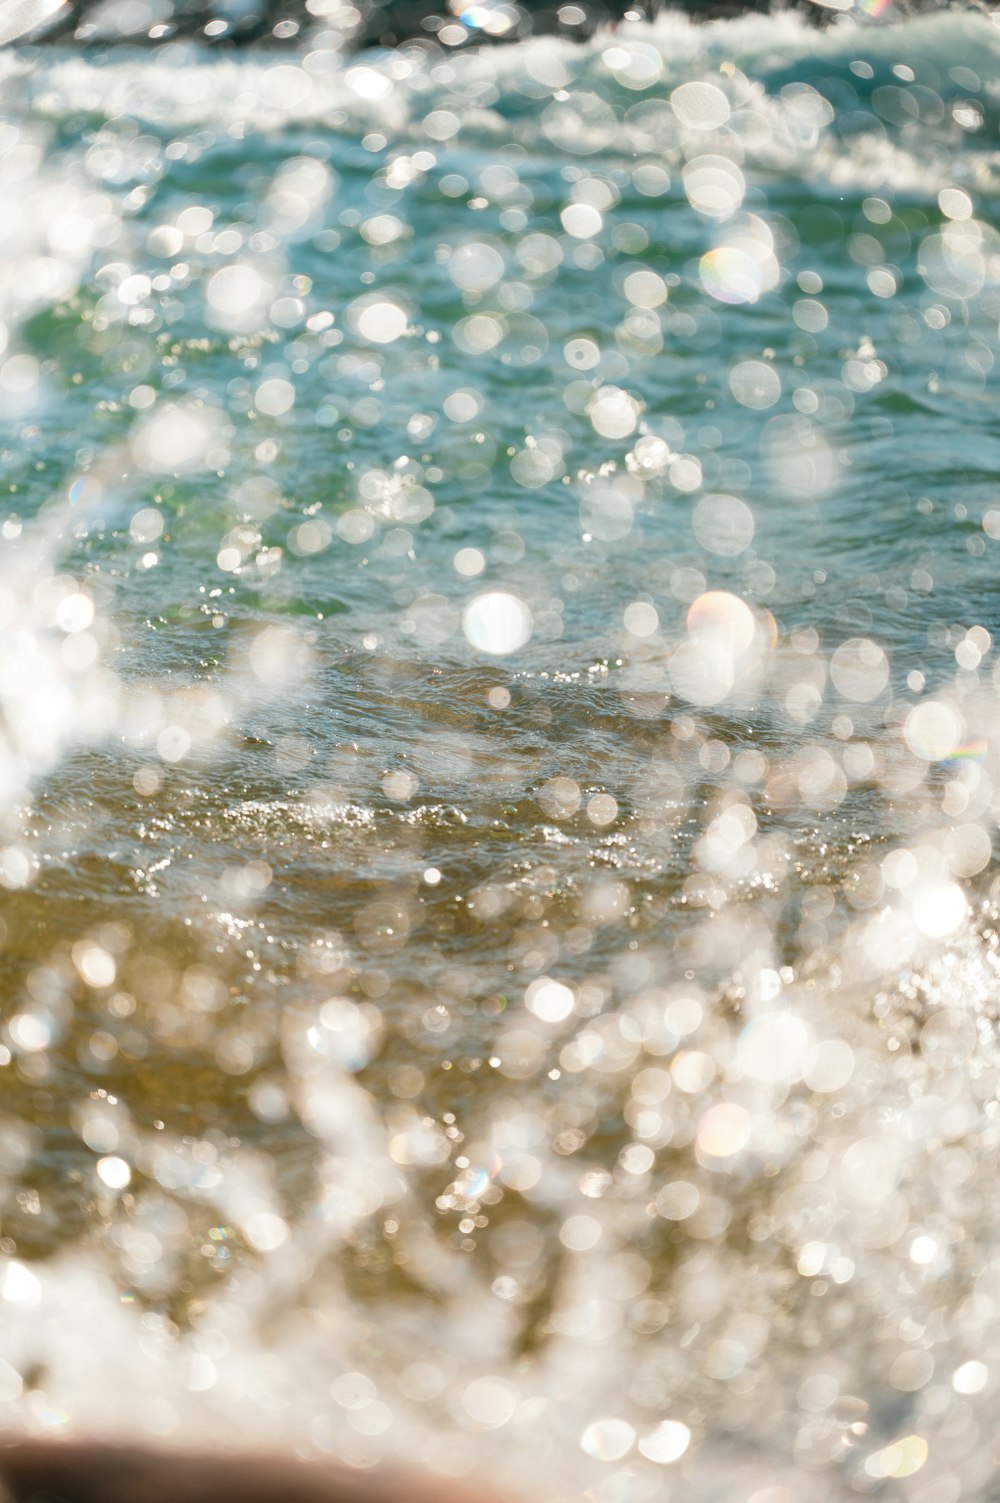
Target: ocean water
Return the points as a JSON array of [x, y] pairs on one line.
[[498, 777]]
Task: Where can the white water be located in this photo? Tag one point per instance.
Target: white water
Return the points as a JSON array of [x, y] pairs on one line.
[[719, 1215]]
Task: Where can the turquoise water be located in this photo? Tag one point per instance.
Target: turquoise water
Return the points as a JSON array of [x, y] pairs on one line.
[[499, 751]]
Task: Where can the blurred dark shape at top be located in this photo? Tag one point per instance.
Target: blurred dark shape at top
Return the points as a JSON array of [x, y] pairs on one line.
[[354, 23]]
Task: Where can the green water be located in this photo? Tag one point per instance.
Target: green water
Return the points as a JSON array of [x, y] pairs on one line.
[[499, 749]]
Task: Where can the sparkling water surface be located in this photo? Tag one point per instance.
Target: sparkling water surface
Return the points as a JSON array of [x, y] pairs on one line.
[[499, 743]]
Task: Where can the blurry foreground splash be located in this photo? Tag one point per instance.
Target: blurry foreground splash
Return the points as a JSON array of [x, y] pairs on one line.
[[500, 739]]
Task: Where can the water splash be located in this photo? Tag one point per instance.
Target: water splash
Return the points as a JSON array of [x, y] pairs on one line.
[[499, 918]]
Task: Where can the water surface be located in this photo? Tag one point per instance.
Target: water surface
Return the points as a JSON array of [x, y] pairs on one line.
[[499, 755]]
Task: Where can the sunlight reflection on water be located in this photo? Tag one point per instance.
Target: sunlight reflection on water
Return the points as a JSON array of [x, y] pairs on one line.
[[499, 734]]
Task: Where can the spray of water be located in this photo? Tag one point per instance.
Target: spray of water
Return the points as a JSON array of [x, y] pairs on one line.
[[500, 934]]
